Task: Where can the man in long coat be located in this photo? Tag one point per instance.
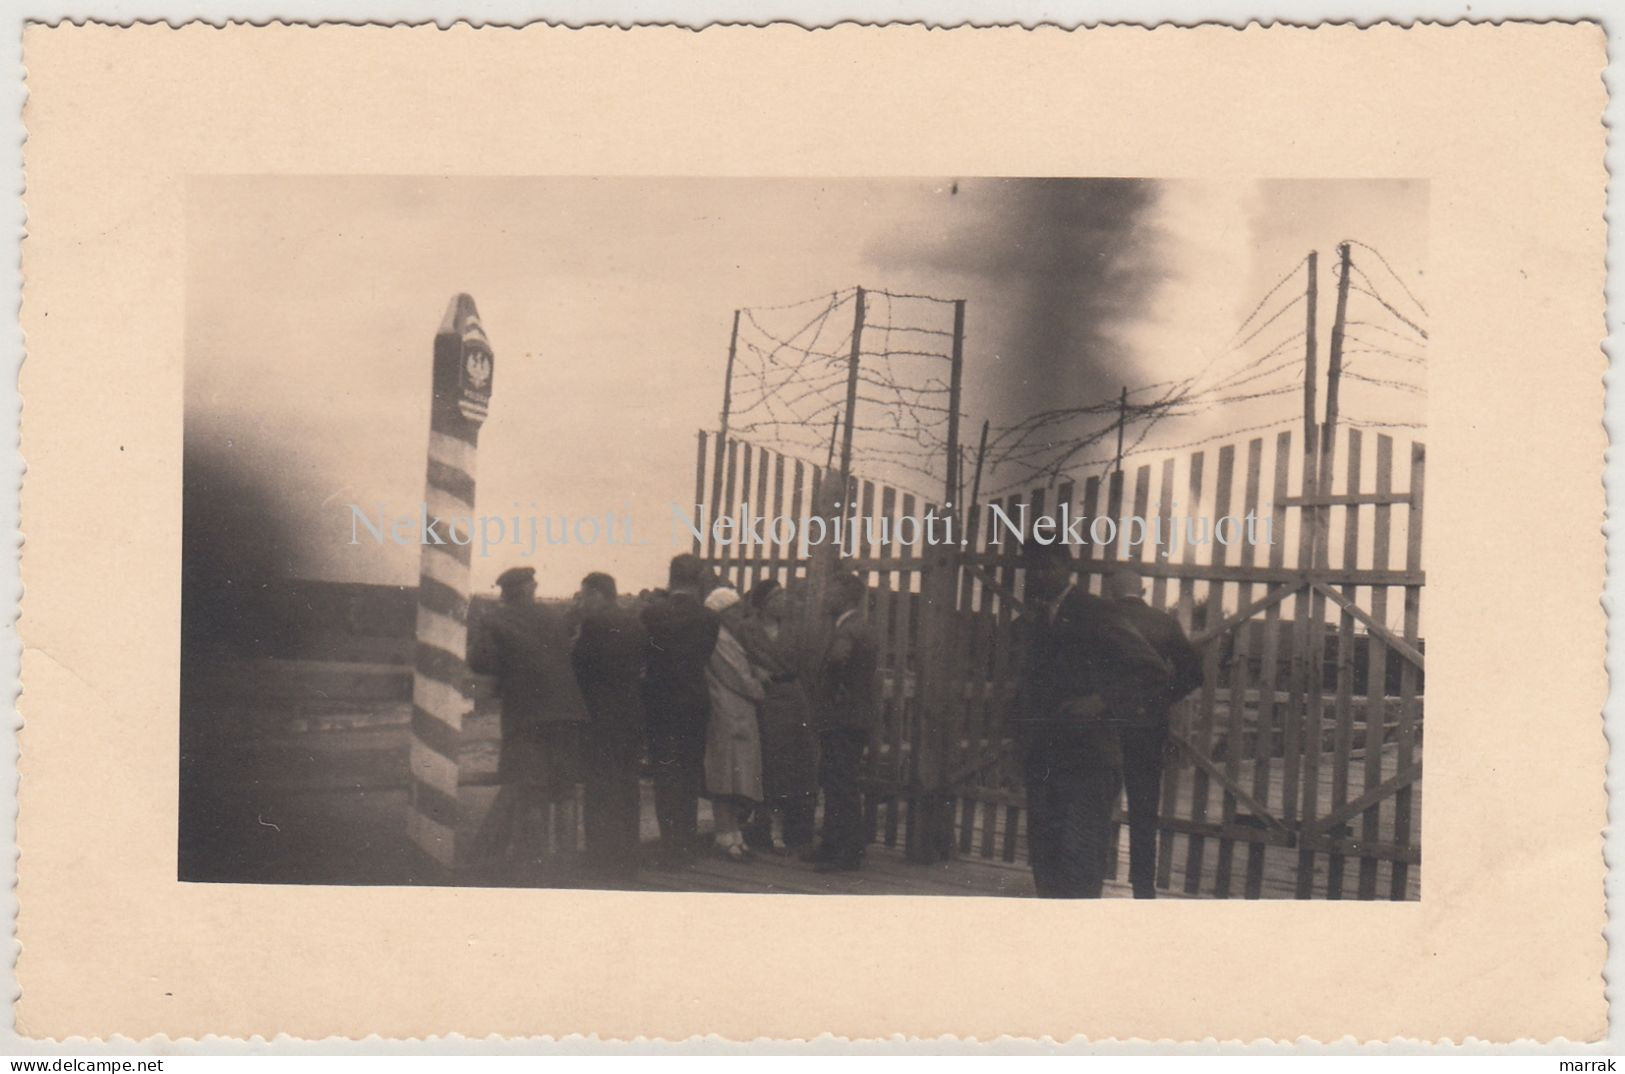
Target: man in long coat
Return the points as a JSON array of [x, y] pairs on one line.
[[848, 706], [608, 658], [526, 646], [676, 699], [1144, 733], [1080, 661]]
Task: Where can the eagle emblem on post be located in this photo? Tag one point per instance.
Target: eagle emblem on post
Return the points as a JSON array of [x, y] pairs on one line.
[[479, 369], [475, 397]]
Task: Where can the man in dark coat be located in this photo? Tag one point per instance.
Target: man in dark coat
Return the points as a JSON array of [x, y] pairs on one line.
[[848, 706], [1080, 661], [676, 700], [1144, 733], [608, 657], [527, 647]]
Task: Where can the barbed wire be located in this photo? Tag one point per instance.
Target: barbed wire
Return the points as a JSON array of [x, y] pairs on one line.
[[1035, 447], [791, 381], [792, 384], [1397, 277], [1361, 424], [1384, 382]]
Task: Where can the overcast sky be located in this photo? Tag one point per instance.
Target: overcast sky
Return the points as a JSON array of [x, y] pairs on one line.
[[312, 305]]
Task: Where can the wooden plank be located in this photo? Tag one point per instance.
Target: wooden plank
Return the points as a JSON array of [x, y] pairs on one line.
[[885, 600], [762, 552], [1349, 500], [906, 660], [776, 551], [1165, 509], [990, 827], [1399, 855], [1265, 737], [1248, 611], [1376, 671], [739, 571], [1202, 732], [1187, 613], [803, 547], [1239, 673], [1314, 636], [1171, 773], [1371, 798], [866, 534], [725, 552], [985, 644], [1255, 837], [699, 488], [1294, 718], [1343, 706], [1205, 763], [1398, 645], [1110, 553], [967, 823], [797, 477], [1004, 658], [969, 666], [1409, 699], [1142, 504], [1207, 572]]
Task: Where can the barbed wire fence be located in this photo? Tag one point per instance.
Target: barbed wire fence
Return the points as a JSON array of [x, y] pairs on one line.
[[867, 380], [1380, 345], [858, 379]]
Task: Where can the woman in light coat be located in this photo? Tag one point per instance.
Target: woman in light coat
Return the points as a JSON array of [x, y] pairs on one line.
[[789, 743], [733, 745]]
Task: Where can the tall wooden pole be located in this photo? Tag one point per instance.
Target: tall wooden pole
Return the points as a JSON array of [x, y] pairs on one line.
[[1334, 370], [851, 393], [1313, 299], [940, 703], [956, 378], [717, 506], [1310, 613], [1122, 425], [461, 394]]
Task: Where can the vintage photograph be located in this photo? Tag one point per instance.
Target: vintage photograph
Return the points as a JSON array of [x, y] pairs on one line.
[[978, 536]]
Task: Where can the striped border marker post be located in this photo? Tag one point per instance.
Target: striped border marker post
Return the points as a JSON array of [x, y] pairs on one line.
[[440, 696]]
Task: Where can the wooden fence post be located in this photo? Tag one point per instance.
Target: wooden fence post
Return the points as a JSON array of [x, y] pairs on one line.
[[931, 828]]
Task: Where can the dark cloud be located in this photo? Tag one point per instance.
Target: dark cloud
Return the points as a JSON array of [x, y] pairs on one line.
[[1059, 266]]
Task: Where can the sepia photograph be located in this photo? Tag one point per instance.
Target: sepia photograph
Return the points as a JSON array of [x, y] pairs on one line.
[[1053, 538], [552, 539]]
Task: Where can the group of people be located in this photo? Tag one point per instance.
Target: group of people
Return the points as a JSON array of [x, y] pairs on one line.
[[729, 699], [723, 692]]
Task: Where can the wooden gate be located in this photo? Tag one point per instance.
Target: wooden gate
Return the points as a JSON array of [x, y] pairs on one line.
[[1298, 763]]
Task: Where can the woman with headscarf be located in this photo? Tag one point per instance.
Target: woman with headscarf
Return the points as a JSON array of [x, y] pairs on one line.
[[733, 750], [789, 744]]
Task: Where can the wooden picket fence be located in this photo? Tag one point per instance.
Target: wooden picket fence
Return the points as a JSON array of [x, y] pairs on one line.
[[1298, 766]]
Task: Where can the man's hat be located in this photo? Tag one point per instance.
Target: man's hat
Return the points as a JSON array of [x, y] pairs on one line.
[[514, 577], [1035, 551]]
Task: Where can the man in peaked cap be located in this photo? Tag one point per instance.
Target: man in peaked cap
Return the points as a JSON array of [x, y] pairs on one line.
[[848, 710], [608, 657], [1143, 731], [1082, 663], [681, 635], [526, 646]]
